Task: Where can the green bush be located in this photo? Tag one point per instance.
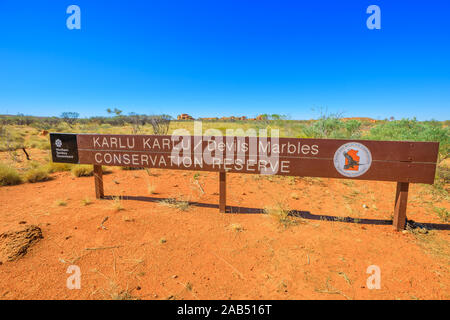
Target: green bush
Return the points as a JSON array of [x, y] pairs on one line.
[[9, 176], [36, 175], [413, 130]]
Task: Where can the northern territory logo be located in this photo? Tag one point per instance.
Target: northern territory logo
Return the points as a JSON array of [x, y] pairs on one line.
[[352, 159], [58, 143]]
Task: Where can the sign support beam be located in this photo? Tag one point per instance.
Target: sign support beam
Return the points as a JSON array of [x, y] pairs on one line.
[[401, 201], [98, 180], [222, 191]]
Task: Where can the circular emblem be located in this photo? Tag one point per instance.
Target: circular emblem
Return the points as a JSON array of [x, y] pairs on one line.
[[352, 159], [58, 143]]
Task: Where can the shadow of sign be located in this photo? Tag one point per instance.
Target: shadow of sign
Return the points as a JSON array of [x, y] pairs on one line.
[[293, 213]]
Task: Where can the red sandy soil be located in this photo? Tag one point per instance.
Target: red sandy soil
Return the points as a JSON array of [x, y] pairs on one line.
[[204, 258]]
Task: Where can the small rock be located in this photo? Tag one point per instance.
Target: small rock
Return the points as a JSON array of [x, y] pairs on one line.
[[138, 288], [174, 276], [405, 231], [22, 222], [365, 206]]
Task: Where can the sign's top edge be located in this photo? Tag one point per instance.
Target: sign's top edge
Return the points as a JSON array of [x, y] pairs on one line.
[[316, 139]]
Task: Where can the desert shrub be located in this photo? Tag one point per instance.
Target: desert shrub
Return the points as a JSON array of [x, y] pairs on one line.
[[332, 127], [9, 176], [38, 143], [36, 175], [63, 127], [413, 130], [82, 170], [10, 139]]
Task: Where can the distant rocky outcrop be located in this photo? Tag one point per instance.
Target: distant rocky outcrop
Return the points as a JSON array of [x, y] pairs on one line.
[[184, 116]]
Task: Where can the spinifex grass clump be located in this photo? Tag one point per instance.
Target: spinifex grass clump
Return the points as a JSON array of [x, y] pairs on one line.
[[59, 167], [36, 175], [82, 170], [9, 176]]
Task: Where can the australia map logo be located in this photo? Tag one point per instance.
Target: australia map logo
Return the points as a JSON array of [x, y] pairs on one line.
[[352, 159]]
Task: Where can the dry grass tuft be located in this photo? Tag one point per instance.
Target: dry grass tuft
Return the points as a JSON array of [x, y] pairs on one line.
[[280, 213], [236, 227], [151, 188], [115, 292], [176, 204], [117, 203], [86, 201], [60, 203], [295, 196]]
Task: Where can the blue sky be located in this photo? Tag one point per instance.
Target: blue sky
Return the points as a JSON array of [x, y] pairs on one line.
[[226, 57]]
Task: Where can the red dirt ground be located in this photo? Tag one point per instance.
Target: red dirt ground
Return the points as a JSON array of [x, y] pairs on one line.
[[204, 258]]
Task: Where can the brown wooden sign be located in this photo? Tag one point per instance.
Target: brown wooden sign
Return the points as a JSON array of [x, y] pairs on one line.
[[403, 162]]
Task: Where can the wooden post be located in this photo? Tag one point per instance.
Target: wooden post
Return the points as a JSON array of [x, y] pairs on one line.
[[98, 179], [222, 191], [401, 200]]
